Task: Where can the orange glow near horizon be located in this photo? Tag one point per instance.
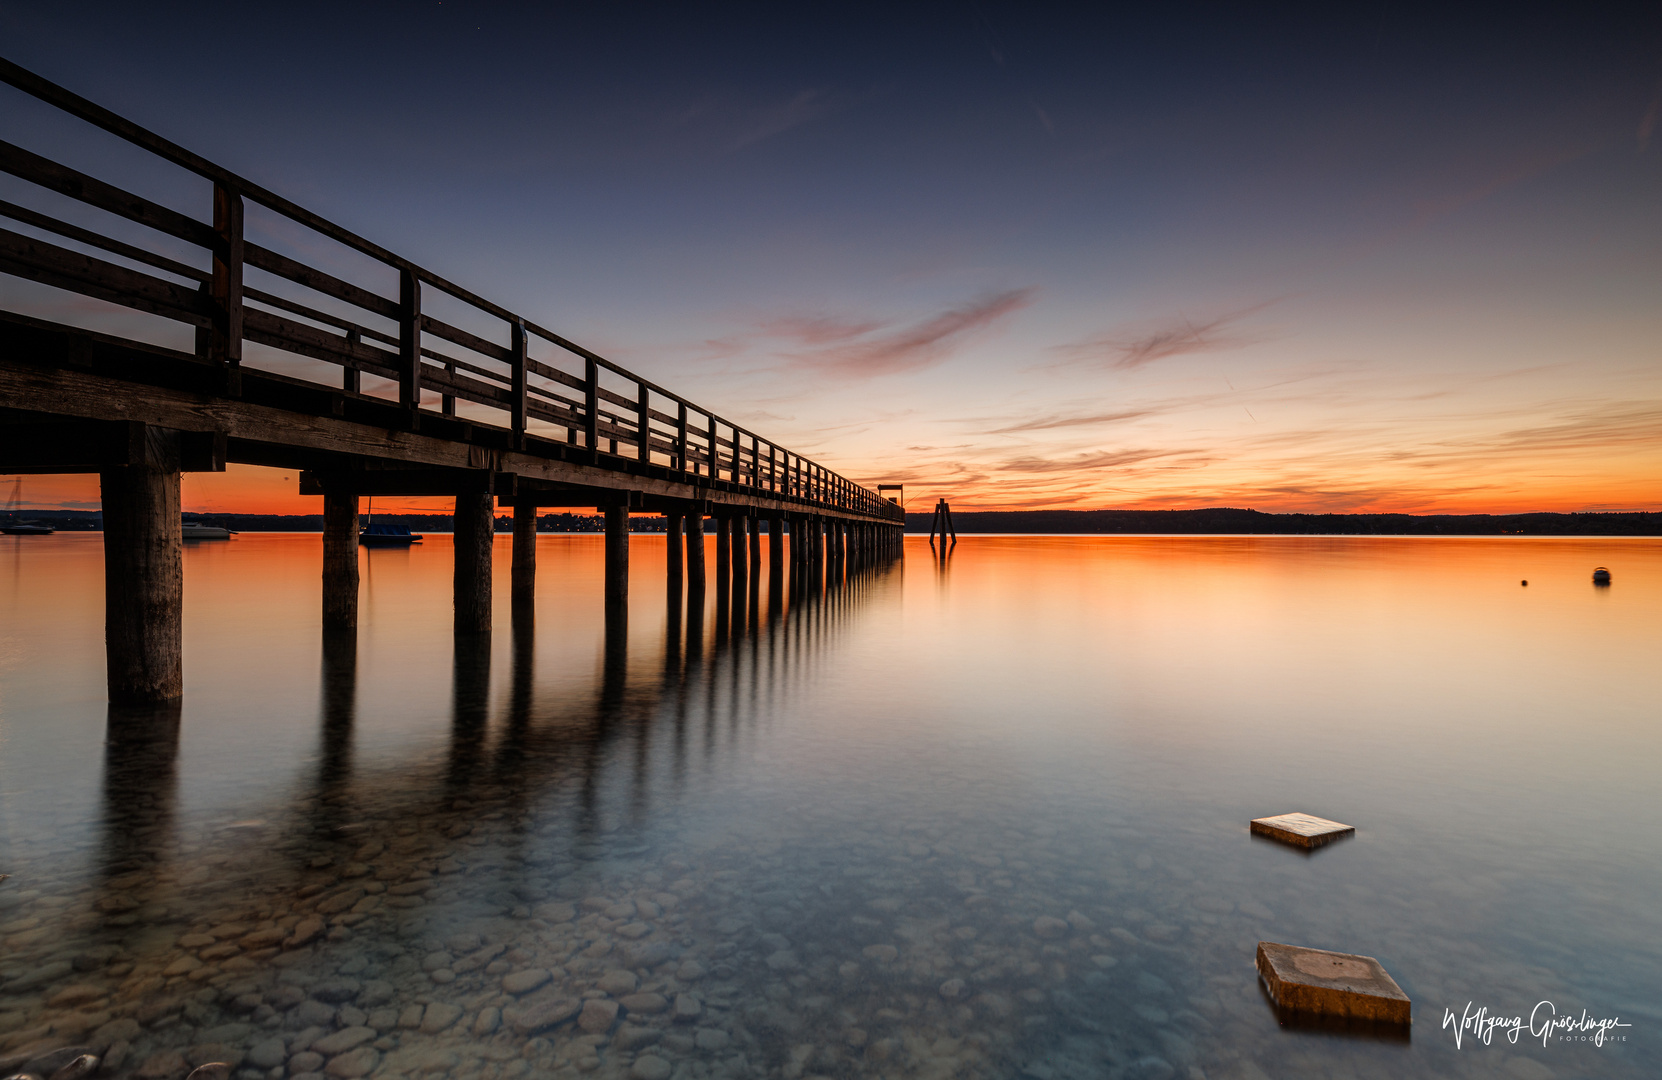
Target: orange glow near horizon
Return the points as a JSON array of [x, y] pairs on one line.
[[251, 489]]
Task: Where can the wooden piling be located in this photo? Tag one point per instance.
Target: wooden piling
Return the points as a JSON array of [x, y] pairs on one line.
[[340, 562], [617, 559], [695, 552], [776, 548], [672, 556], [741, 548], [473, 530], [143, 574], [756, 546], [524, 559], [724, 548]]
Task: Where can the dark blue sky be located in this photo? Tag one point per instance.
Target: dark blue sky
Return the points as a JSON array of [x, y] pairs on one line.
[[1166, 255]]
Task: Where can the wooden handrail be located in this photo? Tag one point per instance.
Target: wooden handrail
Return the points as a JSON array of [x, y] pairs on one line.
[[690, 437]]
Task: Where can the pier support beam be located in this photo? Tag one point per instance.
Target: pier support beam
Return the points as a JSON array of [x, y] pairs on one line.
[[617, 560], [525, 560], [776, 548], [143, 574], [474, 528], [756, 546], [673, 552], [695, 552], [741, 548], [340, 562], [724, 547]]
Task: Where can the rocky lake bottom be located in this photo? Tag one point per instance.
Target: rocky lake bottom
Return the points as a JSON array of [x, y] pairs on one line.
[[835, 840]]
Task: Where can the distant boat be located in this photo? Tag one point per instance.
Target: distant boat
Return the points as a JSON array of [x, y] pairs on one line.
[[1601, 576], [195, 530], [14, 527], [387, 536]]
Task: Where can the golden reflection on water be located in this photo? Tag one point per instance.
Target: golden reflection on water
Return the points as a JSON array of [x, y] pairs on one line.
[[849, 807]]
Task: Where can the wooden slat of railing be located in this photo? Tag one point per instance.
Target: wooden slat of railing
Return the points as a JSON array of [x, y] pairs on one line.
[[94, 192], [318, 281], [24, 215], [49, 264]]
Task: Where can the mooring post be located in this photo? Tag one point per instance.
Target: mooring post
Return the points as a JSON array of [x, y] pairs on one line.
[[143, 574], [340, 561], [695, 553], [525, 560], [473, 530], [617, 560]]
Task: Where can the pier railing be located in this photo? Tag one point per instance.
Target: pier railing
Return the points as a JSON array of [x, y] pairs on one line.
[[533, 383]]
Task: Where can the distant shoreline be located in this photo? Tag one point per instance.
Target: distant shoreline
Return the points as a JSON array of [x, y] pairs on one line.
[[1221, 521]]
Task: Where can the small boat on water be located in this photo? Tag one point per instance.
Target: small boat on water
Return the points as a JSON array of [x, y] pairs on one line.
[[387, 536], [13, 527], [1601, 576], [195, 530]]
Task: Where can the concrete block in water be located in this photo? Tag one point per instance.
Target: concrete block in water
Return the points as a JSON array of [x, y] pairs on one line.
[[1330, 983], [1304, 830]]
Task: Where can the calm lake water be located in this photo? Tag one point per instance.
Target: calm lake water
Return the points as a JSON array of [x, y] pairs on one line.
[[986, 818]]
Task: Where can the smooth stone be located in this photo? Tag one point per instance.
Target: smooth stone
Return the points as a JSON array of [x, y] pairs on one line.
[[1049, 926], [952, 989], [343, 1040], [689, 971], [783, 960], [633, 1037], [634, 930], [488, 1020], [618, 982], [687, 1007], [650, 1067], [544, 1014], [439, 1015], [883, 954], [354, 1063], [267, 1053], [523, 982], [306, 1061], [598, 1015], [646, 1004], [712, 1039]]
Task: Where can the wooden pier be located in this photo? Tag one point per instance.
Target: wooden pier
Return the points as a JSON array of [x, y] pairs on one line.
[[362, 389]]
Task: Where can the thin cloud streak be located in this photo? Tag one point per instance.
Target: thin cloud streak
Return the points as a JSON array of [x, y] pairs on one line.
[[858, 351], [1134, 346]]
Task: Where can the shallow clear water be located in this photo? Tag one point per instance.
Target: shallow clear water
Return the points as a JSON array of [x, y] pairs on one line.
[[977, 819]]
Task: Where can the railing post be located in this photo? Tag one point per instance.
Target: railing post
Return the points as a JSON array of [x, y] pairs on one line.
[[591, 407], [409, 342], [681, 437], [521, 381], [715, 451], [643, 423], [225, 342], [447, 402], [350, 379]]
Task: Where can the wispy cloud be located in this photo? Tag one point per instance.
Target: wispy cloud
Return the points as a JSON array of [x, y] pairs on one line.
[[1101, 460], [780, 117], [866, 349], [1135, 345], [1054, 421]]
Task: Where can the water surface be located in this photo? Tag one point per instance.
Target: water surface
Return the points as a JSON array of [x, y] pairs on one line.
[[984, 817]]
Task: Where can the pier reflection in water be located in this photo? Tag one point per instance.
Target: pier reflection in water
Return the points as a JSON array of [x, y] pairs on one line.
[[805, 826]]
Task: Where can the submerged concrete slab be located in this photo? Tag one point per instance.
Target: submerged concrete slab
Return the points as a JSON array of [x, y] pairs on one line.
[[1331, 984], [1305, 830]]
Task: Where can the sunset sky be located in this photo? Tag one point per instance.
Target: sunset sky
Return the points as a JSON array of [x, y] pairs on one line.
[[1012, 255]]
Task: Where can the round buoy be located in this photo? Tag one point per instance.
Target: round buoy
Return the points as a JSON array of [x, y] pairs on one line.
[[1601, 576], [1525, 582]]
